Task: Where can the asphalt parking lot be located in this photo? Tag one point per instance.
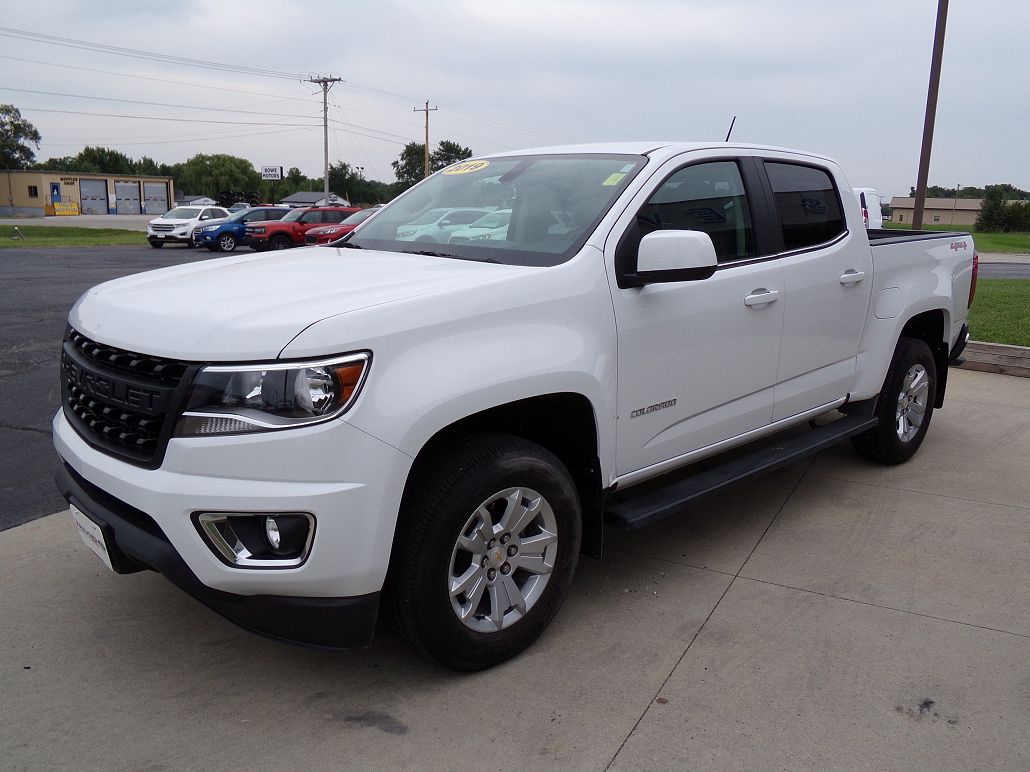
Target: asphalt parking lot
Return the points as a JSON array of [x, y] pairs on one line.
[[834, 615], [38, 288]]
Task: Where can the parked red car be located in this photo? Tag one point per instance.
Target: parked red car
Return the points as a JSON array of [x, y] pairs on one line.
[[326, 234], [289, 231]]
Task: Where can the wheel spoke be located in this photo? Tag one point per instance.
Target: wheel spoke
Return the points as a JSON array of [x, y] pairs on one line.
[[902, 425], [515, 597], [461, 584], [536, 544], [517, 517], [535, 564], [497, 605], [917, 411], [473, 599], [920, 384]]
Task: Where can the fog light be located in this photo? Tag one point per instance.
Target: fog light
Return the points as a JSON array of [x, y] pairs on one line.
[[258, 540], [272, 533]]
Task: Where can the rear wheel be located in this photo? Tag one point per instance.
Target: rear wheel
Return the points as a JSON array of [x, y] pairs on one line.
[[485, 550], [904, 407], [280, 242]]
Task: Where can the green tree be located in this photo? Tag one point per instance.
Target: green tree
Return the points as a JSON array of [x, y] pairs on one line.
[[992, 211], [409, 167], [103, 160], [211, 175], [17, 136], [447, 153]]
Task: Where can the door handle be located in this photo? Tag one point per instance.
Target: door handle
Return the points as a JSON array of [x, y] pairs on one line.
[[851, 276], [760, 297]]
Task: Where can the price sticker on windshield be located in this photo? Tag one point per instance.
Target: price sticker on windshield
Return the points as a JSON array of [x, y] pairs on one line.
[[467, 167]]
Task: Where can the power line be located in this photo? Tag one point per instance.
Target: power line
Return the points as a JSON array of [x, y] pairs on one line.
[[153, 104], [179, 140], [77, 68], [159, 118], [103, 48]]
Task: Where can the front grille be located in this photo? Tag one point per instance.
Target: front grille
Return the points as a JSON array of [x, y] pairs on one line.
[[162, 228], [121, 402], [311, 239]]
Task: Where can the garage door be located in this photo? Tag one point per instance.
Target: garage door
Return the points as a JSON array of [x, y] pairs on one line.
[[93, 196], [156, 194], [127, 196]]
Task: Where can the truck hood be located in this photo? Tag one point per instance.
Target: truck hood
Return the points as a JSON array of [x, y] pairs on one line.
[[250, 307]]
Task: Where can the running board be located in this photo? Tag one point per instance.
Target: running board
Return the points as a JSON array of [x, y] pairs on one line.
[[655, 505]]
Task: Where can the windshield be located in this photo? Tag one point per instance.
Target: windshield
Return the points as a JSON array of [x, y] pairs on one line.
[[553, 203], [181, 213], [361, 216], [294, 215]]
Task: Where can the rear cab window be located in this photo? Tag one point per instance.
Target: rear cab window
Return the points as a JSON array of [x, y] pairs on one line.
[[807, 204]]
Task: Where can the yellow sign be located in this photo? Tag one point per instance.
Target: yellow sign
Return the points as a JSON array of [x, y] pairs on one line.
[[467, 167], [614, 179], [66, 207]]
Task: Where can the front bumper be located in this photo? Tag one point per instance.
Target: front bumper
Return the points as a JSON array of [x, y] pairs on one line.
[[201, 238], [349, 481], [172, 238], [136, 542]]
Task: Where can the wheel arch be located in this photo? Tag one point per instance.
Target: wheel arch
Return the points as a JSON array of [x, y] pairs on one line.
[[931, 327], [564, 423]]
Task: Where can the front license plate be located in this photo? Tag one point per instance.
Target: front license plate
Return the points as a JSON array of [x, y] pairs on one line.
[[91, 534]]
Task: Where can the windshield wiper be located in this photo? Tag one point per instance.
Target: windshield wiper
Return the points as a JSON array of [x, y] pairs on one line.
[[428, 253], [348, 245]]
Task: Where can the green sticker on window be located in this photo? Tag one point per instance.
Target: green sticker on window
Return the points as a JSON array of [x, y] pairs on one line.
[[614, 179]]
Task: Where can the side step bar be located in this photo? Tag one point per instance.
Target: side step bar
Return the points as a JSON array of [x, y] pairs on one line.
[[658, 504]]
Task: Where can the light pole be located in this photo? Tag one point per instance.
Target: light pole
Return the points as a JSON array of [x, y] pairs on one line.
[[931, 112]]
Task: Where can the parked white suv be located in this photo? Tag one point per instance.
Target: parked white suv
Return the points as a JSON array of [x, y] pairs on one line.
[[436, 225], [177, 225]]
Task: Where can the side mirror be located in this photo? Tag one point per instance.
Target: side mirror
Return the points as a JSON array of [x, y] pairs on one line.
[[666, 256], [445, 223]]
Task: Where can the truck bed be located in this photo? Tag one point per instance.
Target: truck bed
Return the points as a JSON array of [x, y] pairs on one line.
[[878, 236]]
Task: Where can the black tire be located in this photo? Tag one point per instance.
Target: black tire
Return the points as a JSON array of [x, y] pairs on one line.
[[280, 242], [441, 499], [226, 243], [885, 443], [157, 244], [190, 243]]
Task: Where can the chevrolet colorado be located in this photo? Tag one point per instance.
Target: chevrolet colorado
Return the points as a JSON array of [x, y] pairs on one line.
[[440, 431]]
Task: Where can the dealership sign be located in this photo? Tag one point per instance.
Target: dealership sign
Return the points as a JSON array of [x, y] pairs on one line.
[[271, 172]]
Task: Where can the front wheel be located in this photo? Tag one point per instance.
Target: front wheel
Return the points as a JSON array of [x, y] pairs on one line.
[[280, 242], [485, 550], [226, 242], [904, 407], [157, 244]]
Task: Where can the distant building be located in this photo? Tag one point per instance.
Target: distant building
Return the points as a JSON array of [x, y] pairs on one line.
[[185, 200], [34, 193], [313, 198], [937, 211]]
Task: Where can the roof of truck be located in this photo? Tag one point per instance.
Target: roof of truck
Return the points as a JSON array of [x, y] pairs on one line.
[[667, 148]]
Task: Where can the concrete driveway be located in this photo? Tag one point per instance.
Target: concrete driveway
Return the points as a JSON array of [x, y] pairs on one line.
[[834, 615]]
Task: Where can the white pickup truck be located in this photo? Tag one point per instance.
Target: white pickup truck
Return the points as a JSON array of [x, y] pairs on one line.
[[442, 430]]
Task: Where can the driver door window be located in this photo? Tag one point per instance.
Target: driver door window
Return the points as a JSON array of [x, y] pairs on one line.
[[706, 197]]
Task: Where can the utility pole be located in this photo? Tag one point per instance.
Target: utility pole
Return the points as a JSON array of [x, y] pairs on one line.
[[326, 82], [427, 110], [931, 112]]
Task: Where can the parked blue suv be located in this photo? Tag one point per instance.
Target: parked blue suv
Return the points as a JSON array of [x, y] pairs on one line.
[[224, 235]]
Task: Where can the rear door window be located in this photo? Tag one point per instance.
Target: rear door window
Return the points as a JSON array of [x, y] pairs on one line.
[[333, 215], [807, 203]]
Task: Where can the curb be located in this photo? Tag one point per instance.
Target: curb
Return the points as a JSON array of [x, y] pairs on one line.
[[997, 358]]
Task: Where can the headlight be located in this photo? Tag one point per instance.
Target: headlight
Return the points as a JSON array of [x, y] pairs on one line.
[[229, 399], [255, 229], [209, 228], [328, 231]]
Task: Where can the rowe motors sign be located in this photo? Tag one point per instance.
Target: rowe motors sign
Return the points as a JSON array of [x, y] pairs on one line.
[[271, 172]]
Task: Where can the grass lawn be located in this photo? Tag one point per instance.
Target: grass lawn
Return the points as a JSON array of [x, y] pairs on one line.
[[1001, 312], [44, 236], [1012, 243]]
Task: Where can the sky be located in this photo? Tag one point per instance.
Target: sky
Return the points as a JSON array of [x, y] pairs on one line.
[[846, 79]]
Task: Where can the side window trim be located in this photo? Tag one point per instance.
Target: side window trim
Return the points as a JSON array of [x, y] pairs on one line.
[[760, 162]]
